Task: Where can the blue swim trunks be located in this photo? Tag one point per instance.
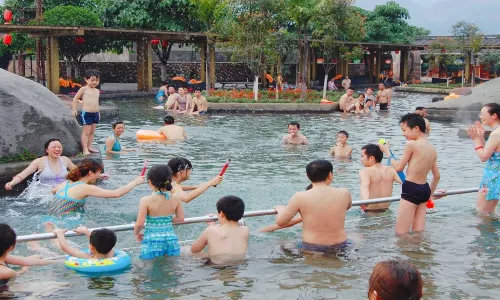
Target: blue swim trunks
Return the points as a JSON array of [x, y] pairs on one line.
[[89, 118]]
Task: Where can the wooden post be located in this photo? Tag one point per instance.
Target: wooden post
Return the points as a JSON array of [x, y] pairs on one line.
[[314, 65], [377, 65], [53, 64], [308, 62], [212, 65], [371, 59], [467, 68], [141, 55], [21, 64], [403, 66], [202, 63]]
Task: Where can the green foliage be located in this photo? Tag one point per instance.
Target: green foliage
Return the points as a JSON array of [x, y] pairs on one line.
[[250, 32], [468, 36], [387, 23], [491, 58], [442, 52], [24, 155], [76, 16]]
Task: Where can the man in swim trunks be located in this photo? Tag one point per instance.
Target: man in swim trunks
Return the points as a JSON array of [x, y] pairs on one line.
[[376, 179], [384, 97], [421, 111], [200, 104], [294, 137], [421, 157], [322, 208], [171, 131], [346, 102]]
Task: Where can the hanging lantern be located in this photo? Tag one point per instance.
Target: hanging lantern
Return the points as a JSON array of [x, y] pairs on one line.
[[397, 51], [164, 44], [7, 16], [7, 39], [79, 40], [388, 61], [320, 60], [155, 42]]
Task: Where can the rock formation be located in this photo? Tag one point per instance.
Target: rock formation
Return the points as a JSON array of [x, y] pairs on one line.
[[30, 115]]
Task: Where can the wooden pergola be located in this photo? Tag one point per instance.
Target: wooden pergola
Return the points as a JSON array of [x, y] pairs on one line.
[[141, 37]]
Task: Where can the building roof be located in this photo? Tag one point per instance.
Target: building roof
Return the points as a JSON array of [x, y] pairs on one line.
[[489, 41], [116, 33]]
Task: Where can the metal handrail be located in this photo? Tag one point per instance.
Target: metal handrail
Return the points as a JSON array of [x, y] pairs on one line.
[[256, 213]]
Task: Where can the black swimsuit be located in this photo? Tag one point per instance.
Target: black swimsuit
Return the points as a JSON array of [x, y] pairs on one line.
[[415, 193], [4, 281]]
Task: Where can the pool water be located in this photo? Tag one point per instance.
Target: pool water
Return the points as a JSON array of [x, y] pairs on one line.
[[458, 255]]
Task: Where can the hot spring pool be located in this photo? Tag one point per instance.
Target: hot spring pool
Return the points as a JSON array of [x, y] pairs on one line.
[[458, 255]]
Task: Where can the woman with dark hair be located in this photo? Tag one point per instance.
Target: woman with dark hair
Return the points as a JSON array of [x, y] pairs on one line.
[[395, 280], [181, 169], [489, 152], [52, 168], [71, 195], [113, 145]]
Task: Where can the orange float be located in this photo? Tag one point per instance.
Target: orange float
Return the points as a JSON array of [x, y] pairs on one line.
[[324, 101], [149, 135]]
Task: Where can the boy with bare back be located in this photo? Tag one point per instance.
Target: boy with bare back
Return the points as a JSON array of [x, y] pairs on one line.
[[172, 132], [322, 209], [421, 157], [227, 242], [376, 179], [341, 149], [89, 95]]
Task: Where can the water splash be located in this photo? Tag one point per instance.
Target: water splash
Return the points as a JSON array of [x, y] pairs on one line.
[[36, 191]]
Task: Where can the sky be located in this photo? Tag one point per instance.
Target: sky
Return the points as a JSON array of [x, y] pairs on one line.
[[439, 15]]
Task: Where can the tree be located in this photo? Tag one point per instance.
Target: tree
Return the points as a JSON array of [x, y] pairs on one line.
[[331, 26], [300, 12], [166, 15], [470, 39], [441, 53], [387, 23], [491, 59], [74, 49], [249, 33]]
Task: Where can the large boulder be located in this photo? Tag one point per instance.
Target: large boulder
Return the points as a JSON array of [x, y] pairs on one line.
[[30, 114]]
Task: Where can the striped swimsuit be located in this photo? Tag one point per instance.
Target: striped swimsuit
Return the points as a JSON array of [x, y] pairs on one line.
[[63, 204]]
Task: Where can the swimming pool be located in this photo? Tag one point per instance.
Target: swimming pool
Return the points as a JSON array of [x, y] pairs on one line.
[[458, 255]]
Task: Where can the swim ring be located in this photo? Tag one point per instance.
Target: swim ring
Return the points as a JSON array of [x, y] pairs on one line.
[[149, 135], [451, 96], [120, 261], [324, 101]]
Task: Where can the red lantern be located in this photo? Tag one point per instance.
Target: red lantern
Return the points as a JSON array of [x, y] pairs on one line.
[[397, 51], [7, 39], [155, 42], [79, 40], [443, 50], [7, 15], [164, 44]]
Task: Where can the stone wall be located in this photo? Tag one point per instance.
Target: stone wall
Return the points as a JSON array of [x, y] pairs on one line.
[[126, 72]]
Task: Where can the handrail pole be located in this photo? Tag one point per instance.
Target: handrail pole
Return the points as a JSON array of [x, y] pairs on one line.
[[256, 213]]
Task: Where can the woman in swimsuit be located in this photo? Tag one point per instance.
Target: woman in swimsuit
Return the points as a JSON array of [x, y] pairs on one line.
[[183, 102], [113, 145], [160, 96], [489, 152], [71, 195], [52, 167]]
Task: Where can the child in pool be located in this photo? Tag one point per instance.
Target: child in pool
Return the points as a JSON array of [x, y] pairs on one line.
[[341, 149], [90, 111], [7, 244], [101, 242], [156, 215], [181, 170], [227, 242], [421, 157], [359, 105]]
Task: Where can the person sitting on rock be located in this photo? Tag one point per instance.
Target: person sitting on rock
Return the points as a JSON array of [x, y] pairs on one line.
[[52, 168]]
